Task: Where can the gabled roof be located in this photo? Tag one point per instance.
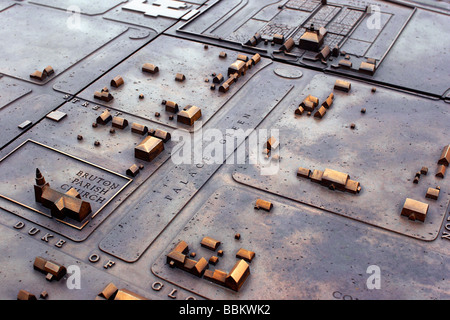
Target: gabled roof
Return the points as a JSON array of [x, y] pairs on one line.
[[445, 156]]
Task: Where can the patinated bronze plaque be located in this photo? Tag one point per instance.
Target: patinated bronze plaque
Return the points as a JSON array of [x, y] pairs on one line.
[[224, 150]]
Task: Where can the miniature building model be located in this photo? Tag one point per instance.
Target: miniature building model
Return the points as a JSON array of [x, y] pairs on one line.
[[345, 63], [440, 173], [139, 128], [48, 70], [213, 260], [238, 67], [125, 294], [53, 270], [242, 57], [180, 77], [160, 134], [272, 144], [320, 113], [56, 115], [150, 68], [245, 254], [316, 176], [278, 38], [312, 39], [171, 107], [61, 204], [288, 45], [117, 82], [103, 95], [303, 172], [433, 193], [111, 292], [331, 179], [444, 159], [104, 118], [308, 104], [41, 75], [25, 295], [149, 149], [254, 40], [218, 78], [262, 204], [415, 210], [256, 59], [334, 179], [299, 110], [233, 280], [119, 123], [225, 86], [324, 53], [133, 171], [367, 67], [329, 101], [342, 85], [237, 276], [210, 243], [236, 70], [216, 276], [189, 115]]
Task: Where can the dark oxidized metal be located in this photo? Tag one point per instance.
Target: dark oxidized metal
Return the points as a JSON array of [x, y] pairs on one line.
[[230, 150]]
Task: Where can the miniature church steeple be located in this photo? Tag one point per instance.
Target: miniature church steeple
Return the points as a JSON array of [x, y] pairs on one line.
[[39, 186]]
